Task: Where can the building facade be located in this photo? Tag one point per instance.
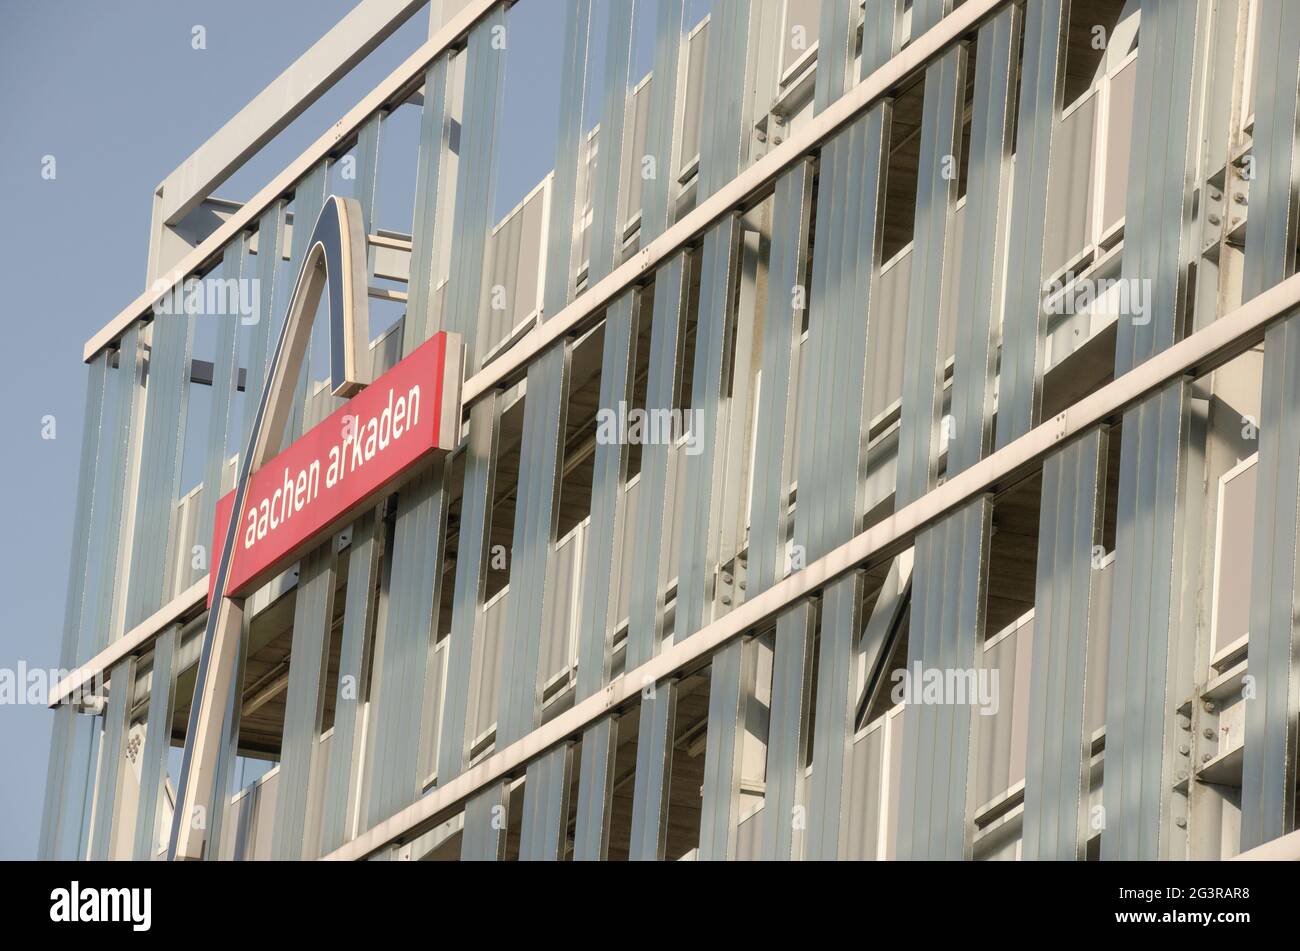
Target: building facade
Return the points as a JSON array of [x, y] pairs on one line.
[[879, 437]]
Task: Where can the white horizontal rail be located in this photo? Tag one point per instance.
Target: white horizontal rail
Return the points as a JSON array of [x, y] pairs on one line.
[[390, 88], [348, 42]]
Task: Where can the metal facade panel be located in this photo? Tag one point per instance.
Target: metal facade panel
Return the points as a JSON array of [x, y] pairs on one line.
[[1272, 225], [937, 170], [430, 174], [729, 694], [110, 536], [541, 458], [880, 34], [65, 825], [836, 34], [918, 728], [339, 808], [840, 161], [158, 482], [595, 788], [1060, 742], [946, 636], [654, 766], [544, 829], [658, 465], [1268, 777], [226, 753], [157, 744], [782, 330], [964, 644], [983, 240], [475, 180], [1042, 89], [1146, 613], [471, 570], [787, 738], [1268, 805], [66, 778], [861, 837], [662, 130], [713, 342], [648, 565], [833, 402], [112, 757], [927, 13], [304, 707], [568, 139], [836, 706], [608, 493], [606, 240], [367, 180], [270, 235], [486, 816], [725, 135], [1161, 178], [97, 448], [404, 655]]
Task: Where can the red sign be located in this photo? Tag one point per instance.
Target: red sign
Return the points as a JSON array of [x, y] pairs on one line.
[[357, 455]]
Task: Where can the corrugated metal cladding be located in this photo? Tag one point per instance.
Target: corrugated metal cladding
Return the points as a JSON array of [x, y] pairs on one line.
[[782, 523]]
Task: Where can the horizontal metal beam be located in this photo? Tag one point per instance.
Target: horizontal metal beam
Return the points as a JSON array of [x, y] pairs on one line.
[[391, 91], [1195, 355], [136, 639], [348, 42]]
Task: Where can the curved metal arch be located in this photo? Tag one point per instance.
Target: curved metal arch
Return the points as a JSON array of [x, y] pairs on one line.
[[335, 264]]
